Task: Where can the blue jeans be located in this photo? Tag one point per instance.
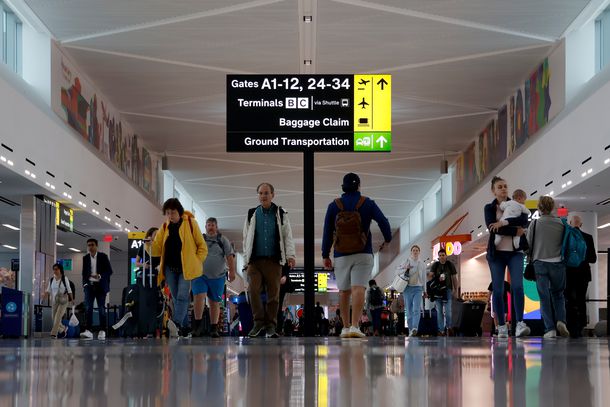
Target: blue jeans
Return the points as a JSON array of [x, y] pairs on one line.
[[551, 282], [497, 265], [443, 311], [376, 319], [413, 300], [95, 292], [180, 290]]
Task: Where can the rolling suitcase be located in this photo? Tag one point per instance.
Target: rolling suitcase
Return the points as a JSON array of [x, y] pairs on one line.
[[470, 318], [141, 306], [428, 324]]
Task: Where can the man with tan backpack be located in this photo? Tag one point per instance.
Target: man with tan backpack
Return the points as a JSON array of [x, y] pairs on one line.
[[347, 229]]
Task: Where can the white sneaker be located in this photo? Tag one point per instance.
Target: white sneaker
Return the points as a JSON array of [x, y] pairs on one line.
[[101, 335], [522, 329], [562, 330], [413, 332], [173, 329], [345, 333], [550, 334], [86, 335], [355, 332], [502, 331]]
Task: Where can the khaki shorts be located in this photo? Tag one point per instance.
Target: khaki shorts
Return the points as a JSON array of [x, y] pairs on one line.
[[353, 270]]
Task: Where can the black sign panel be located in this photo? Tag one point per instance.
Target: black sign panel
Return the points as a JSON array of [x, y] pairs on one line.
[[297, 280], [290, 113], [65, 219]]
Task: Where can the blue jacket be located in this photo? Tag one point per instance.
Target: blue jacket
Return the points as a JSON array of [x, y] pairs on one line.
[[368, 211], [509, 230]]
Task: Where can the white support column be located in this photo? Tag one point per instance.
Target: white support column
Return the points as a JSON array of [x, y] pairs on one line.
[[27, 245]]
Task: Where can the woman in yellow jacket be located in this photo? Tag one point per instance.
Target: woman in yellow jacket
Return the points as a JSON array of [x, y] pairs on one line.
[[182, 249]]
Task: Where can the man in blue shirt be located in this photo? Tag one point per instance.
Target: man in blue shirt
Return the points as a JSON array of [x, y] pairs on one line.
[[353, 261], [268, 245]]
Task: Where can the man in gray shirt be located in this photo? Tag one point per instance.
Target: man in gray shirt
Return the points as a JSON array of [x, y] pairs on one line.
[[212, 282]]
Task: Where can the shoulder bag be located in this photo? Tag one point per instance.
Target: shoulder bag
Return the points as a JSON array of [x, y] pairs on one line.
[[530, 273]]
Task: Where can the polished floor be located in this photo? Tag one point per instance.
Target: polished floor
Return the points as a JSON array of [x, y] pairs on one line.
[[305, 372]]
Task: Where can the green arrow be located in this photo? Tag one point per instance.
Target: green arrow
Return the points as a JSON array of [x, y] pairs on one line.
[[382, 82]]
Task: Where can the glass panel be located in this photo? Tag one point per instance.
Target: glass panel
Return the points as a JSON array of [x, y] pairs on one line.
[[439, 203]]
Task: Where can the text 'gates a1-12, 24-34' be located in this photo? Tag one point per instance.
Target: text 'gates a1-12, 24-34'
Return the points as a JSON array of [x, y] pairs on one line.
[[293, 113]]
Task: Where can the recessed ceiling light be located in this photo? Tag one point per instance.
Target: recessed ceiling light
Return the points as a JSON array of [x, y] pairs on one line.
[[590, 170], [479, 255], [59, 244], [605, 225], [607, 161], [2, 158], [9, 247], [6, 225], [74, 250]]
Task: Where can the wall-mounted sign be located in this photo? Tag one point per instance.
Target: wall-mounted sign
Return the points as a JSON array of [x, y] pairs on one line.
[[66, 263], [135, 241], [452, 249], [269, 113], [65, 217]]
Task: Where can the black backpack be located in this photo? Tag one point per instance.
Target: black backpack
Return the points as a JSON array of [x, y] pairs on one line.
[[376, 296]]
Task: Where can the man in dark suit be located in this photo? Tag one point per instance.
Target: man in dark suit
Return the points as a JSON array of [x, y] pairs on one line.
[[577, 283], [96, 284]]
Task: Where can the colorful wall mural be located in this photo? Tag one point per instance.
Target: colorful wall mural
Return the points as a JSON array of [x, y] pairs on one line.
[[87, 111], [527, 110]]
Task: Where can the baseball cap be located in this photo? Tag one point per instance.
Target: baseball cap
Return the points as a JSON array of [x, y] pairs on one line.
[[351, 182]]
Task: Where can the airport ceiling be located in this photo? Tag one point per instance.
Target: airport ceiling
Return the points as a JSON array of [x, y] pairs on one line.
[[163, 65], [13, 187]]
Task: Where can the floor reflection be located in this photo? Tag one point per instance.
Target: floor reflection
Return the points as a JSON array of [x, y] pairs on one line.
[[306, 372]]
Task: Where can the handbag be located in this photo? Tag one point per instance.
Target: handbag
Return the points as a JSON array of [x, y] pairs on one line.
[[73, 320], [61, 299], [530, 272], [400, 283]]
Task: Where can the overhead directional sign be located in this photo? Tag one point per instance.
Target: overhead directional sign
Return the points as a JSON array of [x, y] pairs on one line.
[[332, 113]]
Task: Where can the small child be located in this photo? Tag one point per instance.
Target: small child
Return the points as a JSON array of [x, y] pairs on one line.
[[513, 209]]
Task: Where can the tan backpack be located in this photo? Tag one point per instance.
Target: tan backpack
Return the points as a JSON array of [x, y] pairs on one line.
[[349, 236]]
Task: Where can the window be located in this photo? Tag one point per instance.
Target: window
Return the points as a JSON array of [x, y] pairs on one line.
[[439, 203], [405, 235], [602, 40], [10, 39], [421, 219]]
